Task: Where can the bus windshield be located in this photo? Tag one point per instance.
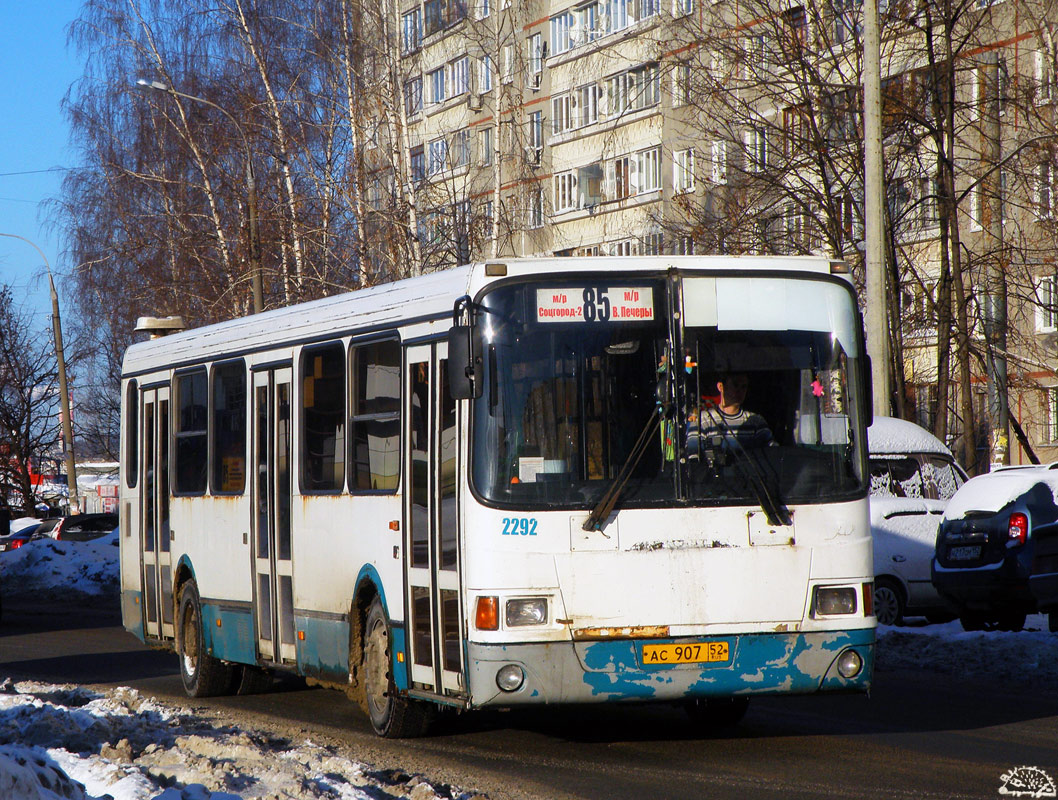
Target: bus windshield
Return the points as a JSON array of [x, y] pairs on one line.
[[576, 369]]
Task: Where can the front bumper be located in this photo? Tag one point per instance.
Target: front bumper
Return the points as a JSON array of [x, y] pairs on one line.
[[613, 671]]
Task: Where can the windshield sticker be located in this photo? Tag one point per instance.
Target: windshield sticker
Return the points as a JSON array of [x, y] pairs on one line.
[[595, 304]]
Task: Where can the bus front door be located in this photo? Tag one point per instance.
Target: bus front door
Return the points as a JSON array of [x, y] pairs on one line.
[[431, 562], [273, 582], [155, 541]]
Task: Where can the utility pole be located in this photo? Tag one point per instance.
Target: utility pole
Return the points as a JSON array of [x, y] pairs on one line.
[[64, 388], [877, 311], [995, 297]]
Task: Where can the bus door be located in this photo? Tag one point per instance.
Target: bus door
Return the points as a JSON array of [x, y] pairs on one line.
[[431, 563], [273, 583], [156, 538]]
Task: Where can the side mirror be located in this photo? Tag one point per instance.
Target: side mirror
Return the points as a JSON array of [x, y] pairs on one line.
[[464, 362]]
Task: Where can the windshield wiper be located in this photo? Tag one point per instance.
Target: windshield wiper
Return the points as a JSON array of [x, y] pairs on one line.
[[606, 503], [774, 509]]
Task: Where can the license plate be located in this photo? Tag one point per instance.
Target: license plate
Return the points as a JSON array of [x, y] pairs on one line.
[[964, 553], [690, 653]]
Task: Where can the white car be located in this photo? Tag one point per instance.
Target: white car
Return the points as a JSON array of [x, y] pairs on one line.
[[913, 475]]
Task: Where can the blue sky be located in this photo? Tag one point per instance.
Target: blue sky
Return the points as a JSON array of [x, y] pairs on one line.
[[36, 69]]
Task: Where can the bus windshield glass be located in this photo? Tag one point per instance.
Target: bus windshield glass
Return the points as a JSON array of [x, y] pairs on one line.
[[577, 370]]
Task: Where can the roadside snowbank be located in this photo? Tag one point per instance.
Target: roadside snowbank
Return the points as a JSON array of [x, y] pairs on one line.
[[71, 743], [57, 570]]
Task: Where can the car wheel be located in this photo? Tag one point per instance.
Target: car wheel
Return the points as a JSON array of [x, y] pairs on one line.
[[717, 712], [202, 674], [391, 716], [1052, 621], [972, 622], [888, 602]]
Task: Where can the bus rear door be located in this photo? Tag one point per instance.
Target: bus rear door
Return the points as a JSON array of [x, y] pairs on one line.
[[155, 539]]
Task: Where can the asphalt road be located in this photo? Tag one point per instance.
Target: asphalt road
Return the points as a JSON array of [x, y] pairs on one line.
[[919, 735]]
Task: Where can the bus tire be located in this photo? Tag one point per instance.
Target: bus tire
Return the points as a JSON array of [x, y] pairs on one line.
[[717, 712], [202, 674], [392, 717], [249, 679]]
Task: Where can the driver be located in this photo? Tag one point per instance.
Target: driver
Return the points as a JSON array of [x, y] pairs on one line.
[[723, 427]]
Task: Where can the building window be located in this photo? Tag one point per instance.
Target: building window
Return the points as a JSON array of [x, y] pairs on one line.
[[1046, 304], [228, 434], [461, 148], [435, 84], [1045, 189], [411, 30], [683, 246], [484, 8], [586, 105], [589, 185], [536, 136], [460, 79], [649, 8], [757, 150], [323, 418], [1043, 67], [485, 74], [418, 164], [508, 64], [413, 96], [681, 8], [485, 146], [718, 162], [437, 157], [535, 50], [638, 88], [681, 84], [189, 434], [561, 113], [536, 208], [683, 171], [561, 26], [1050, 415], [374, 419], [565, 192]]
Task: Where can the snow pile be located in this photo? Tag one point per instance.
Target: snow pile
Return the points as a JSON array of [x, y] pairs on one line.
[[71, 743], [995, 655], [58, 570]]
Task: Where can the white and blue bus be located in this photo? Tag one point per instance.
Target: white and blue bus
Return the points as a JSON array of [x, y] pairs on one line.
[[489, 486]]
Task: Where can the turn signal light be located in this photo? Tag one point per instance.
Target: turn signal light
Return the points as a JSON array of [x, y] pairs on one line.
[[487, 617], [868, 599], [1017, 528]]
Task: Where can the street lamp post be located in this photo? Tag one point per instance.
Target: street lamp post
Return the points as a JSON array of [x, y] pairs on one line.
[[251, 187], [64, 388]]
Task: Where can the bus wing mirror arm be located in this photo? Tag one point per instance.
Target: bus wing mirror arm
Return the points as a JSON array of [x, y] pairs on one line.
[[464, 353]]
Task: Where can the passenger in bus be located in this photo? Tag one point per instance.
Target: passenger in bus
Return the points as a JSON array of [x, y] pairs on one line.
[[724, 426]]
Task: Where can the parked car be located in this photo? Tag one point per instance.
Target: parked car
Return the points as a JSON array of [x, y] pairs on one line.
[[13, 541], [985, 546], [913, 475], [79, 527]]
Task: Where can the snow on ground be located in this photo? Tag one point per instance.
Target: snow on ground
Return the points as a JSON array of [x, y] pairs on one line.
[[72, 743], [75, 743]]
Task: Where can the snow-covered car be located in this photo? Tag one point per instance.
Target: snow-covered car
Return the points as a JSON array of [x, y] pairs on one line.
[[985, 545], [15, 540], [913, 475]]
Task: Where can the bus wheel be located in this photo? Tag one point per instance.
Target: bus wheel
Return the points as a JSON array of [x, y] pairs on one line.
[[717, 712], [249, 679], [391, 716], [202, 674]]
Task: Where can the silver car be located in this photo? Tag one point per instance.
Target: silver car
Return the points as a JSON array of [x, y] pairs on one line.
[[913, 475]]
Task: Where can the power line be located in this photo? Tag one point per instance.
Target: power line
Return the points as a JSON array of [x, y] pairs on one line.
[[34, 171]]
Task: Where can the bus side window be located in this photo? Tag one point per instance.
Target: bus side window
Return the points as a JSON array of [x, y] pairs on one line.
[[132, 433], [374, 420], [323, 419], [228, 432], [189, 432]]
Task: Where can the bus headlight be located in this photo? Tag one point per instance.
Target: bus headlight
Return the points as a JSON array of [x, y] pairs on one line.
[[526, 611], [510, 678], [833, 600]]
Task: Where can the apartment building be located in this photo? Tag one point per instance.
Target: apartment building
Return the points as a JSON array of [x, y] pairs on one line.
[[619, 127]]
